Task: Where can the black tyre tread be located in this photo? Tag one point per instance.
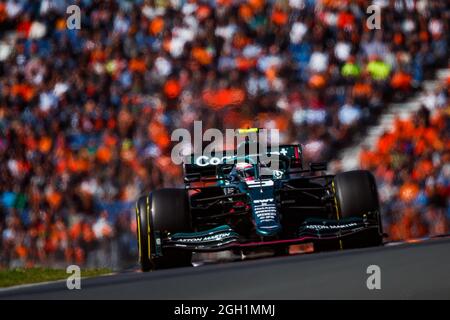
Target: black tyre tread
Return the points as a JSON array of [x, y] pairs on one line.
[[168, 211], [142, 234], [356, 195]]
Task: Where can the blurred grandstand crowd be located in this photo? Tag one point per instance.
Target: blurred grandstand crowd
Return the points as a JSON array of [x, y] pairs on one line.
[[412, 167], [86, 115]]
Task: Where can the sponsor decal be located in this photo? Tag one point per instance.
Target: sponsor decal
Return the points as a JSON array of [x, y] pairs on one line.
[[204, 161], [265, 210], [330, 226], [277, 174], [263, 201], [255, 184], [215, 235]]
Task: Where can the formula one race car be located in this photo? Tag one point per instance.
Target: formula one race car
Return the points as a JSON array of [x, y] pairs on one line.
[[239, 203]]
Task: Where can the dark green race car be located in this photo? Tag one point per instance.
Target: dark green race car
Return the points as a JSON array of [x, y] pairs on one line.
[[239, 203]]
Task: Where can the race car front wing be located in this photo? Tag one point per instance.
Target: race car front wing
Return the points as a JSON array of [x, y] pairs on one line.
[[224, 237]]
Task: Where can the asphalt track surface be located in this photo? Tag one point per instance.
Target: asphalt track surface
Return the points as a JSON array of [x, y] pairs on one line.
[[408, 271]]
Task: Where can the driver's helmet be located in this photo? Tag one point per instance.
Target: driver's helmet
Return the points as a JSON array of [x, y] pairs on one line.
[[245, 170]]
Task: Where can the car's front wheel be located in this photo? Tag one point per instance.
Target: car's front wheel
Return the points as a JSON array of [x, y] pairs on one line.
[[356, 195], [162, 211]]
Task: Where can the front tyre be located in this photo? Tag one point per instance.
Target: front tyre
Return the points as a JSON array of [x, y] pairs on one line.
[[143, 233], [356, 195], [165, 210]]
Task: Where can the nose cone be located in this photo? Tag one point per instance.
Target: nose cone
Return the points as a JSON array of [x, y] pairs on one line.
[[265, 212], [268, 229]]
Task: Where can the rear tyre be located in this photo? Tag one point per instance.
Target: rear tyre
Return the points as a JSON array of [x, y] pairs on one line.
[[165, 210], [356, 195]]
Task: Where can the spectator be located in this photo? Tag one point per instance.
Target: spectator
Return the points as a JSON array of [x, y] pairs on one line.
[[411, 166]]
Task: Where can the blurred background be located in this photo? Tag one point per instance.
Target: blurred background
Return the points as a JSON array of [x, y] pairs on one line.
[[86, 115]]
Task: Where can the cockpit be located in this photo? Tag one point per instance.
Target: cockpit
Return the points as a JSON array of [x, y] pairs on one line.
[[250, 172]]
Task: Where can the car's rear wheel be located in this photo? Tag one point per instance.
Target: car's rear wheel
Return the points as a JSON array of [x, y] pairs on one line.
[[165, 210]]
